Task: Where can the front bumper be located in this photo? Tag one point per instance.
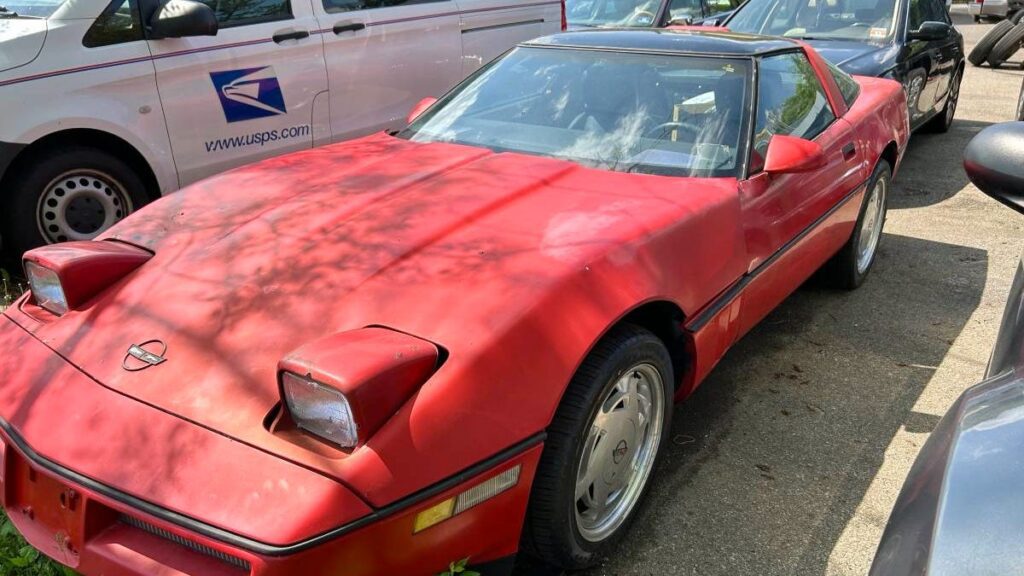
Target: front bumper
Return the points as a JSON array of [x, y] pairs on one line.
[[107, 485]]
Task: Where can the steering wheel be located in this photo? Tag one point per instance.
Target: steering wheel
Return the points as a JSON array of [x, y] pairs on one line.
[[636, 16], [664, 127]]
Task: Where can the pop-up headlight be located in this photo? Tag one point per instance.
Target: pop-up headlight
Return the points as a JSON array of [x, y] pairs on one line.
[[46, 288], [320, 409]]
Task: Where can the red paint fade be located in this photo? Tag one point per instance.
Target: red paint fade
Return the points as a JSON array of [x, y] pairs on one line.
[[514, 264]]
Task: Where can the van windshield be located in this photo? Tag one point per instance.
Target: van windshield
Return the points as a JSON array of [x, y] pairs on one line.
[[35, 8]]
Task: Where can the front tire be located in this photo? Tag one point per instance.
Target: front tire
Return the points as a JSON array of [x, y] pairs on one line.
[[850, 266], [68, 193], [942, 121], [601, 449]]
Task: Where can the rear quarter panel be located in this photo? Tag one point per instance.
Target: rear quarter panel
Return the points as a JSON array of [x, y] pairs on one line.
[[879, 118]]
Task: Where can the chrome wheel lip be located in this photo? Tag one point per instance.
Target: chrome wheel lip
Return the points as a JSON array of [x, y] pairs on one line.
[[626, 441], [94, 190], [871, 225], [954, 97]]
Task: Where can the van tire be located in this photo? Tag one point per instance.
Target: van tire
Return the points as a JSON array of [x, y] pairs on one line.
[[106, 189], [985, 45]]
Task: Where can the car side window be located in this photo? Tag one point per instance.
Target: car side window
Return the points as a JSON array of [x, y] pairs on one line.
[[243, 12], [848, 87], [679, 9], [790, 101], [118, 23], [716, 6], [332, 6]]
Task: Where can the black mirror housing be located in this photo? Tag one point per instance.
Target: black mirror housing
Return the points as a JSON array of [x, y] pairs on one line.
[[181, 18], [994, 162], [931, 31]]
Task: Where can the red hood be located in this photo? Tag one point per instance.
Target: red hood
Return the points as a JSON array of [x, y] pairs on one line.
[[441, 241]]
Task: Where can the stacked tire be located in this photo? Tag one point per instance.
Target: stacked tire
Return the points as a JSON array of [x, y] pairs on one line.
[[1001, 42]]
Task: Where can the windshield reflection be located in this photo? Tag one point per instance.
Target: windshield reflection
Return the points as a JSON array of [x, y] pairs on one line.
[[871, 21]]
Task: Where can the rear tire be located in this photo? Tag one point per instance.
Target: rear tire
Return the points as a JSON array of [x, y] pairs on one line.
[[1015, 19], [593, 445], [850, 266], [68, 193], [1007, 46], [942, 121], [987, 42]]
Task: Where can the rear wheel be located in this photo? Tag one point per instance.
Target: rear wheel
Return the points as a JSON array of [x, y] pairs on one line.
[[988, 41], [850, 266], [943, 120], [1006, 47], [68, 193], [601, 449]]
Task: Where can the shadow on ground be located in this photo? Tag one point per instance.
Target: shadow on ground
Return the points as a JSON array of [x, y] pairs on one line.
[[932, 169], [770, 458]]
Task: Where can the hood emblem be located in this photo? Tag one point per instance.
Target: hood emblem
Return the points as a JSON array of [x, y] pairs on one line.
[[144, 355]]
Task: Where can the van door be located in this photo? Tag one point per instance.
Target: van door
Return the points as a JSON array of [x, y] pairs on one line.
[[490, 27], [245, 94], [383, 56]]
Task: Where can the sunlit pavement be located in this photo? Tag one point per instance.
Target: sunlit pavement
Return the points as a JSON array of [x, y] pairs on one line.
[[789, 458]]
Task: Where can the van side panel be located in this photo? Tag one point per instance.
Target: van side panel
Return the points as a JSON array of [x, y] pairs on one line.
[[490, 27]]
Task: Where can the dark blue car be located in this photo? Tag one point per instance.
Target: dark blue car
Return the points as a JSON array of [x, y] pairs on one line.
[[912, 41]]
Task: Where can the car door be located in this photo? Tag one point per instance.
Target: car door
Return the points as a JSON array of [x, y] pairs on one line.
[[490, 27], [383, 56], [245, 94], [780, 209], [929, 63]]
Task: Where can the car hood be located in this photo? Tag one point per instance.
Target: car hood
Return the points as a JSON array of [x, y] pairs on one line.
[[445, 242], [21, 40], [858, 58]]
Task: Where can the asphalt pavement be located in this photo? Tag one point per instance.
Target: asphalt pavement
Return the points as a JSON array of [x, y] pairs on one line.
[[789, 457]]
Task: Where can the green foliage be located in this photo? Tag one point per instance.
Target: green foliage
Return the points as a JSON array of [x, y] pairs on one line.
[[9, 289], [459, 568], [17, 558]]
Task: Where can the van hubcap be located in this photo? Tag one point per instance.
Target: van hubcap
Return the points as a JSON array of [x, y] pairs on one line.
[[79, 204], [618, 451]]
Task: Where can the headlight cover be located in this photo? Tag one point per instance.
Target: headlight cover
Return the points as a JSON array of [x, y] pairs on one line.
[[46, 288], [320, 410]]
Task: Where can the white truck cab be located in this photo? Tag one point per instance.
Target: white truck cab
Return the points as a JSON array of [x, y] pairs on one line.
[[107, 104]]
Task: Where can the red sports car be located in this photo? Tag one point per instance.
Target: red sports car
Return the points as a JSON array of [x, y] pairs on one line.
[[460, 340]]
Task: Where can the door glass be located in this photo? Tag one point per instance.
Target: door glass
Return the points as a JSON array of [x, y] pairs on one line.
[[332, 6], [790, 102], [118, 23], [241, 12], [680, 9]]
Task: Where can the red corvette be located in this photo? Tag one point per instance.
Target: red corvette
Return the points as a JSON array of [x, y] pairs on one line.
[[459, 340]]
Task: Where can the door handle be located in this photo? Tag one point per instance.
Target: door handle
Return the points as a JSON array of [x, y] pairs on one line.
[[293, 35], [342, 27], [849, 151]]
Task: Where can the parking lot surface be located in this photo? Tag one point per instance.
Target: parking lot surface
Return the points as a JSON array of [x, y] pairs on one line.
[[789, 457]]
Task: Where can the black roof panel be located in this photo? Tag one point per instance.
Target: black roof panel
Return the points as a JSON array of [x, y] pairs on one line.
[[686, 41]]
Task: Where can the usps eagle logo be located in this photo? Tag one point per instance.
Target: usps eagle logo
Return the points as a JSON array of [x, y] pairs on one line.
[[249, 93]]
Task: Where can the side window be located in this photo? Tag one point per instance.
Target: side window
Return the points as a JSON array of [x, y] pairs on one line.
[[790, 102], [118, 23], [242, 12], [916, 14], [332, 6], [848, 87], [936, 11], [716, 6], [678, 9]]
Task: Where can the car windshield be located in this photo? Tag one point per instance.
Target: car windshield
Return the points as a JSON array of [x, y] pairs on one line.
[[871, 21], [34, 8], [593, 13], [628, 112]]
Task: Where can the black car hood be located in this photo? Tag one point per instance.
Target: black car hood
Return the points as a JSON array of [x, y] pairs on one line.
[[858, 57]]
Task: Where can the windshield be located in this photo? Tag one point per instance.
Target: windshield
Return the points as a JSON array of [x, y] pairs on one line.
[[871, 21], [611, 12], [654, 114], [36, 8]]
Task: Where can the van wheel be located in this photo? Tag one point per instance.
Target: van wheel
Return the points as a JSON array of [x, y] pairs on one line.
[[68, 193], [848, 268]]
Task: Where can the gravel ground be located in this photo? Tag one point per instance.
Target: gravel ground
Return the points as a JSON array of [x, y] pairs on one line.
[[789, 457]]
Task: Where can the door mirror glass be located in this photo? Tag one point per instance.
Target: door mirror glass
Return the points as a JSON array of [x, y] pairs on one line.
[[994, 161], [790, 154], [931, 31], [181, 18], [419, 108]]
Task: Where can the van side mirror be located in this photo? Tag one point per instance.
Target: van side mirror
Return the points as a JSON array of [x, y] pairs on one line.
[[931, 31], [994, 162], [420, 108], [181, 18], [789, 155]]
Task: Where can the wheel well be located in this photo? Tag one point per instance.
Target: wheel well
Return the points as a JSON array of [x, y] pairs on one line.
[[95, 139], [665, 320], [891, 154]]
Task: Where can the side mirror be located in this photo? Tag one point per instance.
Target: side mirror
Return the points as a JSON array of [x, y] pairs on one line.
[[180, 18], [789, 155], [994, 161], [420, 108], [931, 31]]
